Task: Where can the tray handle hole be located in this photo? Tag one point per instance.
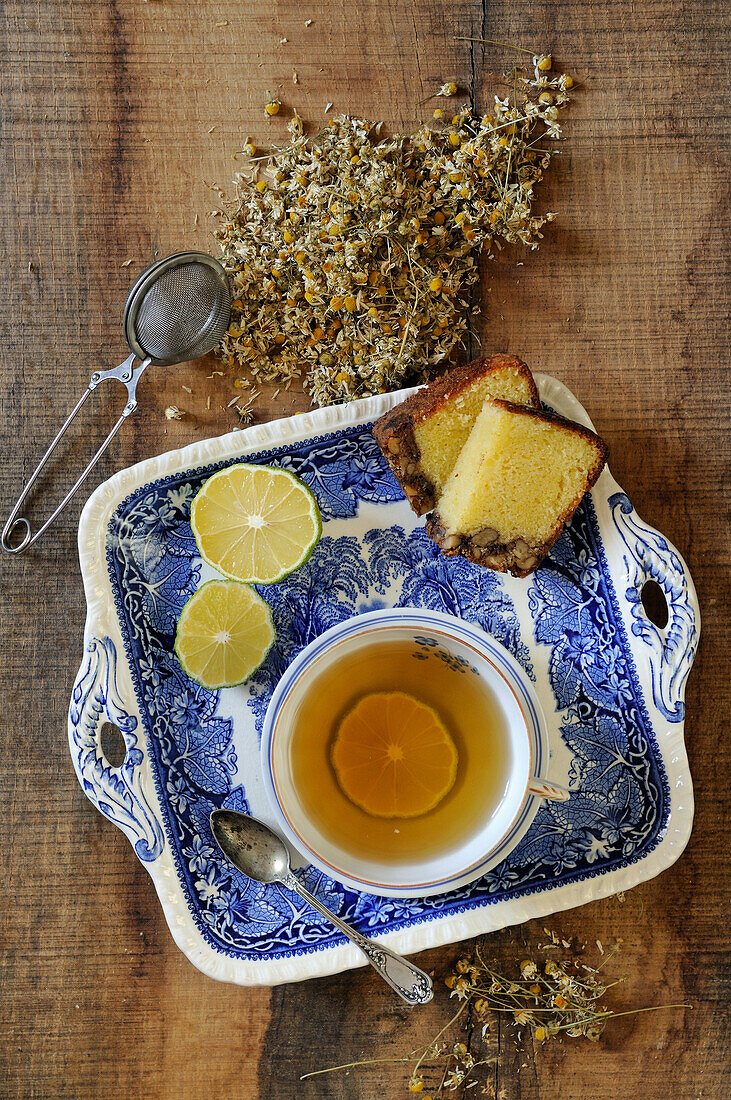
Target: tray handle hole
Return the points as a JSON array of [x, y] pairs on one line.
[[655, 604], [112, 744]]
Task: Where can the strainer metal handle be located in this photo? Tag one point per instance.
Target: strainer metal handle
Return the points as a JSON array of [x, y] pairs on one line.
[[177, 310], [126, 373]]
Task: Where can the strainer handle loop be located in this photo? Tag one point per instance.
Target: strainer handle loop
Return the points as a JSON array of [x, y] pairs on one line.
[[126, 373]]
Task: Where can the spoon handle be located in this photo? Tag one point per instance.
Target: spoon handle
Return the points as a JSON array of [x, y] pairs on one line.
[[411, 983]]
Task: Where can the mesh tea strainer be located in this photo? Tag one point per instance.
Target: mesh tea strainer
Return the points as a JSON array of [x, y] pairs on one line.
[[178, 309]]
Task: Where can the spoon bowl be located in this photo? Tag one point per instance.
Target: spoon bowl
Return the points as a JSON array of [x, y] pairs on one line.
[[251, 846]]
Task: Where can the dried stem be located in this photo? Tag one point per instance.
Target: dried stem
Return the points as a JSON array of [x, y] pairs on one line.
[[490, 42]]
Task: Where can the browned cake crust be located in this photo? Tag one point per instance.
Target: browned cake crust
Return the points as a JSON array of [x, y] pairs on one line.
[[518, 556], [394, 431]]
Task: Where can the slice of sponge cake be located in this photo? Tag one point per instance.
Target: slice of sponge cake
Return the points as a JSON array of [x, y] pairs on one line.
[[519, 477], [423, 436]]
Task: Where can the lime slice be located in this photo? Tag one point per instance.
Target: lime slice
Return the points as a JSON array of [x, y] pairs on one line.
[[255, 523], [224, 633]]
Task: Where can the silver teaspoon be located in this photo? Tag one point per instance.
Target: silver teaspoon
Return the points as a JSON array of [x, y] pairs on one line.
[[263, 856]]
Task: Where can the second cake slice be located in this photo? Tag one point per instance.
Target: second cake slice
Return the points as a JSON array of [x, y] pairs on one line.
[[423, 436], [519, 477]]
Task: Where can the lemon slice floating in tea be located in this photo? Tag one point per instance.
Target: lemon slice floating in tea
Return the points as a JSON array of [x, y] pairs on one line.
[[224, 633], [393, 756], [255, 523]]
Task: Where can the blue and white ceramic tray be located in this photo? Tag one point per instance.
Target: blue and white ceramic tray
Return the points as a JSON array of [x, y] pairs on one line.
[[610, 682]]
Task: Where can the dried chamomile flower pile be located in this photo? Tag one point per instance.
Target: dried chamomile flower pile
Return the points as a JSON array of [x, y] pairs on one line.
[[548, 998], [351, 255], [544, 1000]]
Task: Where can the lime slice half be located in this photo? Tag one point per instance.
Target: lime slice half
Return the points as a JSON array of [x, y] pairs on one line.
[[255, 523], [224, 633]]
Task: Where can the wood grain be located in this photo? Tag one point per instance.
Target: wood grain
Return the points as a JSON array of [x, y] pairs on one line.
[[118, 117]]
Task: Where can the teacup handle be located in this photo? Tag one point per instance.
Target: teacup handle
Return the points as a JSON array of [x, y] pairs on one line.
[[554, 792]]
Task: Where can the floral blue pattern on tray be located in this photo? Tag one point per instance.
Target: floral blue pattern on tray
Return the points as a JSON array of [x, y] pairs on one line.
[[619, 804]]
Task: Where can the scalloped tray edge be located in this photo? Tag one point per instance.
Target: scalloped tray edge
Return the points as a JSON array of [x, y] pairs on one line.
[[101, 620]]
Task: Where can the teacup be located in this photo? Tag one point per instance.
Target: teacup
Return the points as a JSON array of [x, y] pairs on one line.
[[494, 829]]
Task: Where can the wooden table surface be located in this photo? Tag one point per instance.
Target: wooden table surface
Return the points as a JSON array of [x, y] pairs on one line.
[[119, 116]]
